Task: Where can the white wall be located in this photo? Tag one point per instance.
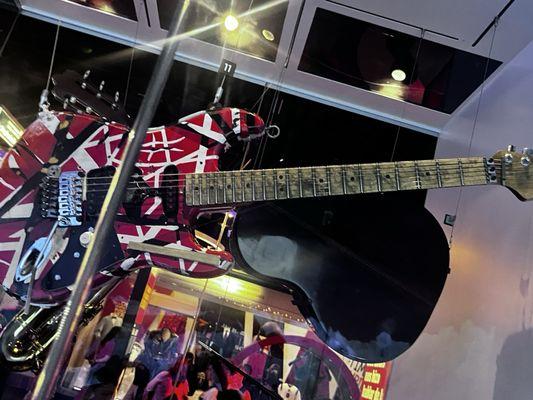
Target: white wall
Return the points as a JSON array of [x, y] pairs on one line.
[[479, 341]]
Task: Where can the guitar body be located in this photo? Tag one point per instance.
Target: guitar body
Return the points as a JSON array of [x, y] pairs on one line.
[[365, 271], [154, 211]]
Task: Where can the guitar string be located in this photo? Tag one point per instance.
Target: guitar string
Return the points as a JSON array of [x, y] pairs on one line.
[[411, 178], [373, 174], [281, 185], [366, 168]]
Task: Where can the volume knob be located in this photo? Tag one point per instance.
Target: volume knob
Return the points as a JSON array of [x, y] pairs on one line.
[[85, 238]]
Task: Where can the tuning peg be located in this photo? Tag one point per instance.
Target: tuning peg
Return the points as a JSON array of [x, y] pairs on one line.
[[117, 96], [72, 99], [86, 74], [65, 104], [511, 148], [88, 110], [101, 87], [525, 161]]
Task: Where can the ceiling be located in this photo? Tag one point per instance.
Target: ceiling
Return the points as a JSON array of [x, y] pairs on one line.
[[457, 24]]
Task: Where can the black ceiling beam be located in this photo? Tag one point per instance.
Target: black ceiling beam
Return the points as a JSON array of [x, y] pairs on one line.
[[494, 22]]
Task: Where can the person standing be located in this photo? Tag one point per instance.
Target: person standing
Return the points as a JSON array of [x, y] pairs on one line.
[[160, 351]]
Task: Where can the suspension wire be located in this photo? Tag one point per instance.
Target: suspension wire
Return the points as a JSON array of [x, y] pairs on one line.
[[411, 76], [264, 139], [474, 125], [8, 36], [44, 96], [128, 80], [53, 56]]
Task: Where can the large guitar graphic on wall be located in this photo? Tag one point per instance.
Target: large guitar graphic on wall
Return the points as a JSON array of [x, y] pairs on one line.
[[53, 182]]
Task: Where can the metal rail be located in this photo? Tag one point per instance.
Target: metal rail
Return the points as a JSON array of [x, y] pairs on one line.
[[49, 377]]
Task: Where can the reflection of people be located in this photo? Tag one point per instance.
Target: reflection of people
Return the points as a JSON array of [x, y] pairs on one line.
[[106, 379], [160, 351], [311, 377], [225, 340], [109, 321], [161, 387], [99, 357]]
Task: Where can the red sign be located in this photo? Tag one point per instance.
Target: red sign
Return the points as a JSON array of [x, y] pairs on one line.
[[375, 381]]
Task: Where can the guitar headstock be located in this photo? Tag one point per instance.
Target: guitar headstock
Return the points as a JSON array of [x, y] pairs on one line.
[[77, 93], [515, 171]]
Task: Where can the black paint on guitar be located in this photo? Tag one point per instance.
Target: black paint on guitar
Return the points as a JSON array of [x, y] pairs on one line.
[[366, 272]]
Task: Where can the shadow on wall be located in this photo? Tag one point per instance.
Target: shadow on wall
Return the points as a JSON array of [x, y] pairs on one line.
[[514, 365]]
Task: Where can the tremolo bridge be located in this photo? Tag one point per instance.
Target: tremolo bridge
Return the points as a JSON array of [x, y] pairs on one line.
[[62, 197], [70, 197]]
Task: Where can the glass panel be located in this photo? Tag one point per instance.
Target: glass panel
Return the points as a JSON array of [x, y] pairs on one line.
[[378, 59], [251, 26], [123, 8]]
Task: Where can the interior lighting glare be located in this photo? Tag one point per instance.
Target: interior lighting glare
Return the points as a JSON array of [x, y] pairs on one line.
[[10, 129], [231, 23], [398, 75], [268, 35]]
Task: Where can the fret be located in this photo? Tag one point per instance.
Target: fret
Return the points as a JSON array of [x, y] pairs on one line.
[[397, 176], [275, 180], [214, 185], [287, 183], [361, 183], [426, 174], [352, 182], [300, 188], [461, 172], [207, 188], [243, 187], [253, 184], [417, 176], [280, 176], [313, 178], [200, 189], [343, 178], [439, 176], [328, 180], [406, 175], [189, 195], [263, 184], [387, 177], [233, 191], [378, 177], [307, 182]]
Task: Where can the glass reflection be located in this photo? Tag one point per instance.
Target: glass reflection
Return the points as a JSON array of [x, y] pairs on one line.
[[122, 8], [252, 27], [391, 63]]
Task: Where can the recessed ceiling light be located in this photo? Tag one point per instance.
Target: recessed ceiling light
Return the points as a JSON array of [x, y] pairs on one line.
[[231, 23], [268, 35], [398, 75]]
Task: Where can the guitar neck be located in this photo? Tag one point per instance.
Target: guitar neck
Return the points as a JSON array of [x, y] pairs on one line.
[[204, 189]]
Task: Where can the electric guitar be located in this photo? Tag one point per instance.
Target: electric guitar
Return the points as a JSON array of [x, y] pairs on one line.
[[53, 182]]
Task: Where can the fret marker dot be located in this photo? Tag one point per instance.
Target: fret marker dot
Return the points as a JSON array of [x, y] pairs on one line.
[[387, 176], [428, 173], [248, 185], [321, 180], [229, 186], [352, 179], [281, 177]]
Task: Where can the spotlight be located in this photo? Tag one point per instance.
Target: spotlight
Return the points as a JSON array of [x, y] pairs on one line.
[[268, 35], [231, 23], [398, 75]]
